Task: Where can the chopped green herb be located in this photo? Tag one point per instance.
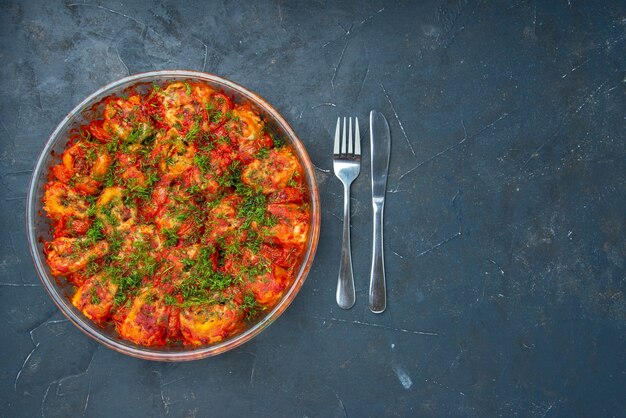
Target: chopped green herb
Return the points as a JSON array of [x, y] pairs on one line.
[[126, 286], [94, 296], [263, 153], [92, 266], [171, 237], [193, 131], [91, 211], [108, 215], [215, 116], [232, 116], [202, 279], [193, 189], [278, 142], [250, 306], [180, 217], [153, 177], [170, 300], [113, 145], [90, 155], [95, 232], [115, 242], [203, 162]]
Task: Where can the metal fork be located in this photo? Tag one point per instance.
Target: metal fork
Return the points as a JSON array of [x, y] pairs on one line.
[[347, 165]]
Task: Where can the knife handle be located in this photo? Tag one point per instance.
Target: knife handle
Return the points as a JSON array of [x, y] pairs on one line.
[[378, 293]]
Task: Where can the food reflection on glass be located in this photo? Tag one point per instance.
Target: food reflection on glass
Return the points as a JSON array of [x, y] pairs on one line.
[[178, 217]]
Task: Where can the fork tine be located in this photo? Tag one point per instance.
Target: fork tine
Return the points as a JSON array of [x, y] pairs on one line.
[[337, 137], [350, 138], [357, 139], [343, 140]]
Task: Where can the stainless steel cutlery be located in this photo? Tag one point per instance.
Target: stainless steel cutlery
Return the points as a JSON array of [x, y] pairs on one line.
[[380, 143], [347, 166]]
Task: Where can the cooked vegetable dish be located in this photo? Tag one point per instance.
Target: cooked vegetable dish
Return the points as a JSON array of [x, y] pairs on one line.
[[176, 214]]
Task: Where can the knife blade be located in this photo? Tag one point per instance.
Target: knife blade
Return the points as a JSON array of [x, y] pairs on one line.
[[380, 146]]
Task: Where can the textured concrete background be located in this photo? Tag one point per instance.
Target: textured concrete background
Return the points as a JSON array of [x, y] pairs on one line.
[[505, 216]]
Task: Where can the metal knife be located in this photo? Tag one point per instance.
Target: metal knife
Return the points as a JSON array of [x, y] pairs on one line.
[[380, 146]]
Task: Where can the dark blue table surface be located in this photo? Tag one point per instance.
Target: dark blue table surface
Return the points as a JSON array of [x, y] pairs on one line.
[[505, 214]]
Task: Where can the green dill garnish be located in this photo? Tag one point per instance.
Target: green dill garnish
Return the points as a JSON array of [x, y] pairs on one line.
[[253, 241], [232, 248], [207, 144], [278, 142], [150, 264], [188, 263], [254, 271], [137, 191], [129, 201], [150, 298], [180, 217], [202, 279], [147, 142], [133, 136], [110, 178], [115, 242], [92, 266], [232, 177], [171, 237], [203, 162], [193, 189], [113, 273], [113, 145], [95, 232], [108, 215], [137, 135], [262, 153], [179, 199], [193, 131], [86, 135], [90, 155], [129, 282], [91, 211], [234, 167], [152, 178], [141, 192], [94, 296], [253, 209], [215, 116], [232, 116], [119, 298], [170, 300], [126, 285], [251, 306]]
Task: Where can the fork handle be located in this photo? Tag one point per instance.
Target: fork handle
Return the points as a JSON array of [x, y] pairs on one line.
[[378, 294], [345, 283]]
